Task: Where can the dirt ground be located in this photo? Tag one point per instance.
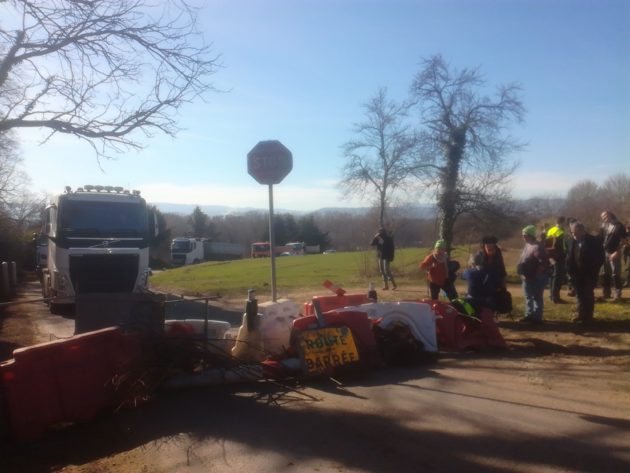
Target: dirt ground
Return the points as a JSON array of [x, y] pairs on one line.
[[557, 400]]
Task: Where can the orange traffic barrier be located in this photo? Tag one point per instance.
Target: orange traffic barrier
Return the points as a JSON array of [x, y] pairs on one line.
[[63, 381]]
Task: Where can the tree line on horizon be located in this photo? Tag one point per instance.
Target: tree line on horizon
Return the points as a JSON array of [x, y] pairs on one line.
[[345, 231]]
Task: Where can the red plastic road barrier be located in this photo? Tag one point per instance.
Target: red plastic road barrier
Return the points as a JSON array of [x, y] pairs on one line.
[[63, 381], [29, 394], [334, 288], [328, 303], [457, 332]]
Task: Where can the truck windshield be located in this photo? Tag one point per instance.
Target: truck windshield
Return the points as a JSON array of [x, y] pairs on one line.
[[103, 219], [181, 246]]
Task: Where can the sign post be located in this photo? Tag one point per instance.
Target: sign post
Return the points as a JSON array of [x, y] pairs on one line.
[[269, 162]]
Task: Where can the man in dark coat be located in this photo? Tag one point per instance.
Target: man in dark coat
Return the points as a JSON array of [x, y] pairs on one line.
[[584, 260], [384, 244], [612, 234]]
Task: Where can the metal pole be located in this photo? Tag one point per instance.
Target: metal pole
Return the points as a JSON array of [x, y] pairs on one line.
[[205, 328], [272, 245]]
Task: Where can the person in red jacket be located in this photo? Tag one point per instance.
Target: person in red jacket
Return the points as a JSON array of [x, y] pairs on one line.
[[436, 266]]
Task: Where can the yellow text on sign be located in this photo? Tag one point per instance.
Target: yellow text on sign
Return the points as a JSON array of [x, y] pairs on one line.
[[327, 348]]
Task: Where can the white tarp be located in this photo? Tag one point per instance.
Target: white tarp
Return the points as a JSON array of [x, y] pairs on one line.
[[419, 316]]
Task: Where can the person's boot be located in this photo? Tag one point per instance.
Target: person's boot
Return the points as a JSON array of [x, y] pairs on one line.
[[385, 286], [394, 286], [617, 296]]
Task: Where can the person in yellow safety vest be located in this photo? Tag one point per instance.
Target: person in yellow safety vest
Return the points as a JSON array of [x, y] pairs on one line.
[[556, 247]]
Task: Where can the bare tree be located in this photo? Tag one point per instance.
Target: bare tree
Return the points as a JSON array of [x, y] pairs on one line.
[[616, 195], [100, 70], [586, 200], [25, 208], [381, 158], [464, 140], [11, 177]]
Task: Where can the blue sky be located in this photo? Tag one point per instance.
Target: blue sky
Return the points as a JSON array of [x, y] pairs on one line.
[[299, 71]]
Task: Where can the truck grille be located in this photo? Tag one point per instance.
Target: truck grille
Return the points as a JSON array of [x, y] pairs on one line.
[[178, 260], [103, 273]]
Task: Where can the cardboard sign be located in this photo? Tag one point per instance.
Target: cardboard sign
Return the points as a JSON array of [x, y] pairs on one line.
[[325, 349]]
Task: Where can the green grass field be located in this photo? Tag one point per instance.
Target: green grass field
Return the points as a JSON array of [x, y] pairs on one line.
[[293, 273], [300, 277]]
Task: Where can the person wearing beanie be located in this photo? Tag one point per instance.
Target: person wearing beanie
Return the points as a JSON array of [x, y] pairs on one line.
[[487, 274], [436, 264], [384, 244], [532, 267]]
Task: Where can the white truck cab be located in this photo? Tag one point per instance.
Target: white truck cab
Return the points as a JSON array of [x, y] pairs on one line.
[[98, 242], [186, 251]]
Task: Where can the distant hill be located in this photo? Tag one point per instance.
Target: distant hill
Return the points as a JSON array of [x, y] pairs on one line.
[[415, 211], [211, 210]]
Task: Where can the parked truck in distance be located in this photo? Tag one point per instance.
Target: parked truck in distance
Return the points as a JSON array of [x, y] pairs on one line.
[[186, 251], [98, 242]]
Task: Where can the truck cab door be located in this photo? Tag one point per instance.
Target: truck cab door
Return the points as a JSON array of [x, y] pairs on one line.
[[49, 223]]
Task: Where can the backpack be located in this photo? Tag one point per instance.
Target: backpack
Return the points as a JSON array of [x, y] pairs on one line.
[[503, 301]]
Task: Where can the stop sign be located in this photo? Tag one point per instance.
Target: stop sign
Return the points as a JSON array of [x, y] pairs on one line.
[[269, 162]]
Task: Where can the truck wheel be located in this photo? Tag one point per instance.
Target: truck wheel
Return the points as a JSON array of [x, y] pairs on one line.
[[196, 261]]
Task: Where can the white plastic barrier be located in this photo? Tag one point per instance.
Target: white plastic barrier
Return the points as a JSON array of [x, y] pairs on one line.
[[419, 316], [218, 337], [275, 324]]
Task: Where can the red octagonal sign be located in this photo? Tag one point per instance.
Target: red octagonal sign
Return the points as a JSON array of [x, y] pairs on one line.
[[269, 162]]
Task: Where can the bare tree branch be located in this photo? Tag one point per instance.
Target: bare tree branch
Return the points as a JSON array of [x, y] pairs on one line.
[[383, 157], [101, 70], [465, 134]]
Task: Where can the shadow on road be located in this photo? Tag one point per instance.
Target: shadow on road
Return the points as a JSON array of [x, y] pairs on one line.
[[267, 421]]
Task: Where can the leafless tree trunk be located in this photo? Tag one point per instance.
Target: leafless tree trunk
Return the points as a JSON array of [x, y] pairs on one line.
[[100, 70], [464, 147], [381, 158]]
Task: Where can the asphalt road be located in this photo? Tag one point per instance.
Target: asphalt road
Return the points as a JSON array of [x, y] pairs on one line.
[[494, 412]]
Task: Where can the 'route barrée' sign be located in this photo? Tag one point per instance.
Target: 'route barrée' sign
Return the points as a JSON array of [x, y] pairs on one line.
[[327, 348]]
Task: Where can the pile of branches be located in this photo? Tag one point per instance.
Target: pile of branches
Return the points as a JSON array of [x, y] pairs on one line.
[[185, 362]]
